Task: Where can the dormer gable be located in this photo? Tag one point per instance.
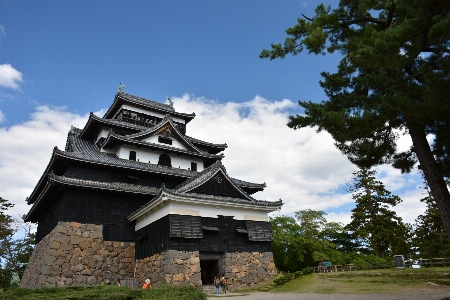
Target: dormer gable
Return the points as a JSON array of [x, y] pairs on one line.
[[214, 180], [166, 133]]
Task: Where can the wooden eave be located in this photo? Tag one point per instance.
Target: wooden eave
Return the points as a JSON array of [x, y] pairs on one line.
[[123, 98], [112, 139], [54, 181], [94, 123], [171, 195]]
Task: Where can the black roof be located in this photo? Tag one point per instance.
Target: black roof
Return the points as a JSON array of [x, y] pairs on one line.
[[124, 98]]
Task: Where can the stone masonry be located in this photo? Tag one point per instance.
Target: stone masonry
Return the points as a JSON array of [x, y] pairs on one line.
[[242, 269], [75, 254], [180, 268], [245, 269]]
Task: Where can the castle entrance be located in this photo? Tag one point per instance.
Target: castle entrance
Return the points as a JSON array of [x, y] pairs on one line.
[[210, 266]]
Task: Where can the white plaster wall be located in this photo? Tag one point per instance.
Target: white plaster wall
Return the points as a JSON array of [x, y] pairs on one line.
[[175, 142], [103, 132], [147, 155], [150, 113], [203, 210]]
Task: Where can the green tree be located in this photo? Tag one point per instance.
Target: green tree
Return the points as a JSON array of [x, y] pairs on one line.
[[14, 252], [393, 77], [429, 238], [287, 245], [372, 220], [304, 241]]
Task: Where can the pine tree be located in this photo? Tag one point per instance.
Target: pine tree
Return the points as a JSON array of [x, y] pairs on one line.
[[372, 220], [430, 240], [394, 76]]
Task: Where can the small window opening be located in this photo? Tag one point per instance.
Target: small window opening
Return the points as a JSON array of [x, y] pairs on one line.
[[210, 231], [100, 142], [132, 180], [132, 155], [193, 166], [164, 140], [164, 160]]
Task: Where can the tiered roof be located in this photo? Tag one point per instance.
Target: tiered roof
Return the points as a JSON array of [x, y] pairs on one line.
[[124, 98], [81, 147]]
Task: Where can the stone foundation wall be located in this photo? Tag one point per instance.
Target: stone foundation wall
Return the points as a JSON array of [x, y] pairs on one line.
[[75, 254], [245, 269], [177, 267], [242, 269]]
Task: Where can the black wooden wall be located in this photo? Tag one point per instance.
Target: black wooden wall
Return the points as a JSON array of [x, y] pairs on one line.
[[114, 175], [92, 207], [161, 236]]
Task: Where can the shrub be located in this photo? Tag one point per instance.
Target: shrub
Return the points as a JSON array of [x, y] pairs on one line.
[[308, 270], [105, 292]]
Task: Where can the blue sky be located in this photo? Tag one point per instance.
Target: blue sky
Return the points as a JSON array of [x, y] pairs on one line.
[[59, 60]]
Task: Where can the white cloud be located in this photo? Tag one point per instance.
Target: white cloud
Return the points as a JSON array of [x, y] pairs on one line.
[[10, 77], [2, 117], [301, 167], [26, 150], [2, 32]]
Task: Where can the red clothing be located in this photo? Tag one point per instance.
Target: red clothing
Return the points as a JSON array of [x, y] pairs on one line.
[[147, 285]]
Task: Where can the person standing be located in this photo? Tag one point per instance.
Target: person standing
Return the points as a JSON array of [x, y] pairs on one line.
[[147, 284], [217, 284]]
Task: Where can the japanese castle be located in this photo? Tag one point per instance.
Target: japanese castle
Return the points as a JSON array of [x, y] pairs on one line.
[[132, 196]]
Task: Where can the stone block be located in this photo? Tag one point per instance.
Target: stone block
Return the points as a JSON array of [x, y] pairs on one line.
[[59, 261], [47, 270], [55, 245], [48, 260], [52, 280], [61, 238], [169, 269], [74, 260], [78, 268], [80, 279], [77, 252], [97, 258], [67, 273], [91, 280], [96, 234], [56, 253], [172, 254], [97, 245], [66, 247], [86, 272], [75, 240], [84, 245], [114, 269]]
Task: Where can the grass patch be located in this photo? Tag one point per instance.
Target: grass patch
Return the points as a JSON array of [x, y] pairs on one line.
[[387, 281], [163, 292]]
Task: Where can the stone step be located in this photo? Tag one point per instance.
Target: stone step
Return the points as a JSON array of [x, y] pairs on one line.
[[209, 289]]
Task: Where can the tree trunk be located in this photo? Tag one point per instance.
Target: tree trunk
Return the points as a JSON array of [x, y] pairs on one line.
[[432, 173], [380, 248]]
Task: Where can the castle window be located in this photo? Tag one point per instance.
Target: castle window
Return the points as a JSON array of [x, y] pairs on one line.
[[210, 231], [132, 180], [164, 160], [241, 232], [100, 142], [193, 166], [132, 155], [164, 140]]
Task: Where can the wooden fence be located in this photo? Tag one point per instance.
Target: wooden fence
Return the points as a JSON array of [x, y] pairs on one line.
[[428, 262]]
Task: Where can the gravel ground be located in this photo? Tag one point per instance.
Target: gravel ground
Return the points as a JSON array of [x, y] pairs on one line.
[[429, 294]]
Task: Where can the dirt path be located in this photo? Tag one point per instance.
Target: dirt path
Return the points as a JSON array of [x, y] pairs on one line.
[[439, 293]]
